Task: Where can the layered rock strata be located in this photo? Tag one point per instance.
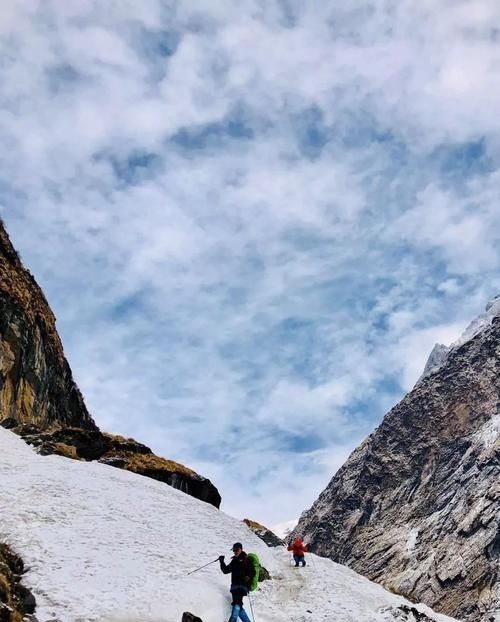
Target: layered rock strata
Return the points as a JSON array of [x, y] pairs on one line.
[[36, 384], [417, 506]]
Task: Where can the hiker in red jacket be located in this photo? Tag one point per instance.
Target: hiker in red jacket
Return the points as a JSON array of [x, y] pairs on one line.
[[298, 548]]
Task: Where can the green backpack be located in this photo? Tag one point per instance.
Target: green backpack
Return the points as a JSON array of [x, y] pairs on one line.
[[254, 562]]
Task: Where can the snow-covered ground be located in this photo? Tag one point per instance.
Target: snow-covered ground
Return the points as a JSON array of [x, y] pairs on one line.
[[108, 545]]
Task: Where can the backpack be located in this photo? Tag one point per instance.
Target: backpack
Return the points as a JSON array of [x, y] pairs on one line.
[[254, 562]]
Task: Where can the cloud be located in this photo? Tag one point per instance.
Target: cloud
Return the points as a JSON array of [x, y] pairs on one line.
[[252, 221], [461, 224]]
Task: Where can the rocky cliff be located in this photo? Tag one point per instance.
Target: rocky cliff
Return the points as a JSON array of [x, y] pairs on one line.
[[17, 602], [39, 398], [36, 385], [264, 533], [417, 506]]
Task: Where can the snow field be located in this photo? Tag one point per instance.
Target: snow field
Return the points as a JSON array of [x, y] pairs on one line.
[[105, 545]]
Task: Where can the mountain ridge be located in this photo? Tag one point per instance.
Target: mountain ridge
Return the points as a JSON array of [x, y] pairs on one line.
[[417, 505]]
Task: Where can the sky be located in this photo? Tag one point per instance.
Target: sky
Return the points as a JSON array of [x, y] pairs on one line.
[[253, 220]]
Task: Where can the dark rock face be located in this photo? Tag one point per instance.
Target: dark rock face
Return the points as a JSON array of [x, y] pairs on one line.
[[39, 399], [417, 506], [189, 617], [26, 600], [16, 600], [264, 574], [74, 443], [36, 385], [404, 613], [265, 534]]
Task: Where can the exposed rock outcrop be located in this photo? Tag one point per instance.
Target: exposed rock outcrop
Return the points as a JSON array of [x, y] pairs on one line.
[[265, 534], [36, 385], [436, 359], [417, 506], [39, 399], [16, 600], [128, 454], [404, 613], [133, 456]]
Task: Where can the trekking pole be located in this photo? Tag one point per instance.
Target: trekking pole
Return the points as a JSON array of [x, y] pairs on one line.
[[251, 607], [201, 567]]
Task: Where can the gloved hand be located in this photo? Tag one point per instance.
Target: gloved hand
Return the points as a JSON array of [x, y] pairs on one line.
[[221, 558]]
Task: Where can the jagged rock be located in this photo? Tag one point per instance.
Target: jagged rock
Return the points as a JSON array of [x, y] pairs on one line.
[[404, 613], [417, 506], [39, 399], [36, 381], [115, 461], [69, 442], [16, 600], [189, 617], [26, 600], [8, 423], [11, 560], [5, 613], [265, 534], [436, 359]]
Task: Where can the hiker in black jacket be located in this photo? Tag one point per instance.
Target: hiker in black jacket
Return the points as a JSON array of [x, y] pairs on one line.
[[242, 573]]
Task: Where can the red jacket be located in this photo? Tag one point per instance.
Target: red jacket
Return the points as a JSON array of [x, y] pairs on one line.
[[298, 547]]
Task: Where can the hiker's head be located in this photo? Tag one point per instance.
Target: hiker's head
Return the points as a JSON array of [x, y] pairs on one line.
[[237, 548]]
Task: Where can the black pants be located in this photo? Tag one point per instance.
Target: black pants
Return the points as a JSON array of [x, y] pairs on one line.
[[237, 595]]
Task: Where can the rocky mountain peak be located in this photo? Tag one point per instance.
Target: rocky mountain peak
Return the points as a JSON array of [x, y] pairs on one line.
[[417, 506], [436, 359], [440, 352]]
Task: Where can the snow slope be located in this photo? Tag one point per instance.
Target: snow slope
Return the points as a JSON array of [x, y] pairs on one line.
[[107, 545]]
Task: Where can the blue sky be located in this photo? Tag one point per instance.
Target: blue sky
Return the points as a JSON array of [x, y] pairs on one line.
[[253, 220]]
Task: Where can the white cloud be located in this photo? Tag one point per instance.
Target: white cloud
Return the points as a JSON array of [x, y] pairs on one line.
[[261, 227], [463, 225], [412, 350]]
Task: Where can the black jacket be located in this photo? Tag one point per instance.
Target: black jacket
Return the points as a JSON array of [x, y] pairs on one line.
[[242, 571]]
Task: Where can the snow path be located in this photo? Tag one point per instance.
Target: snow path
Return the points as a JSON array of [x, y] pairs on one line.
[[105, 545]]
